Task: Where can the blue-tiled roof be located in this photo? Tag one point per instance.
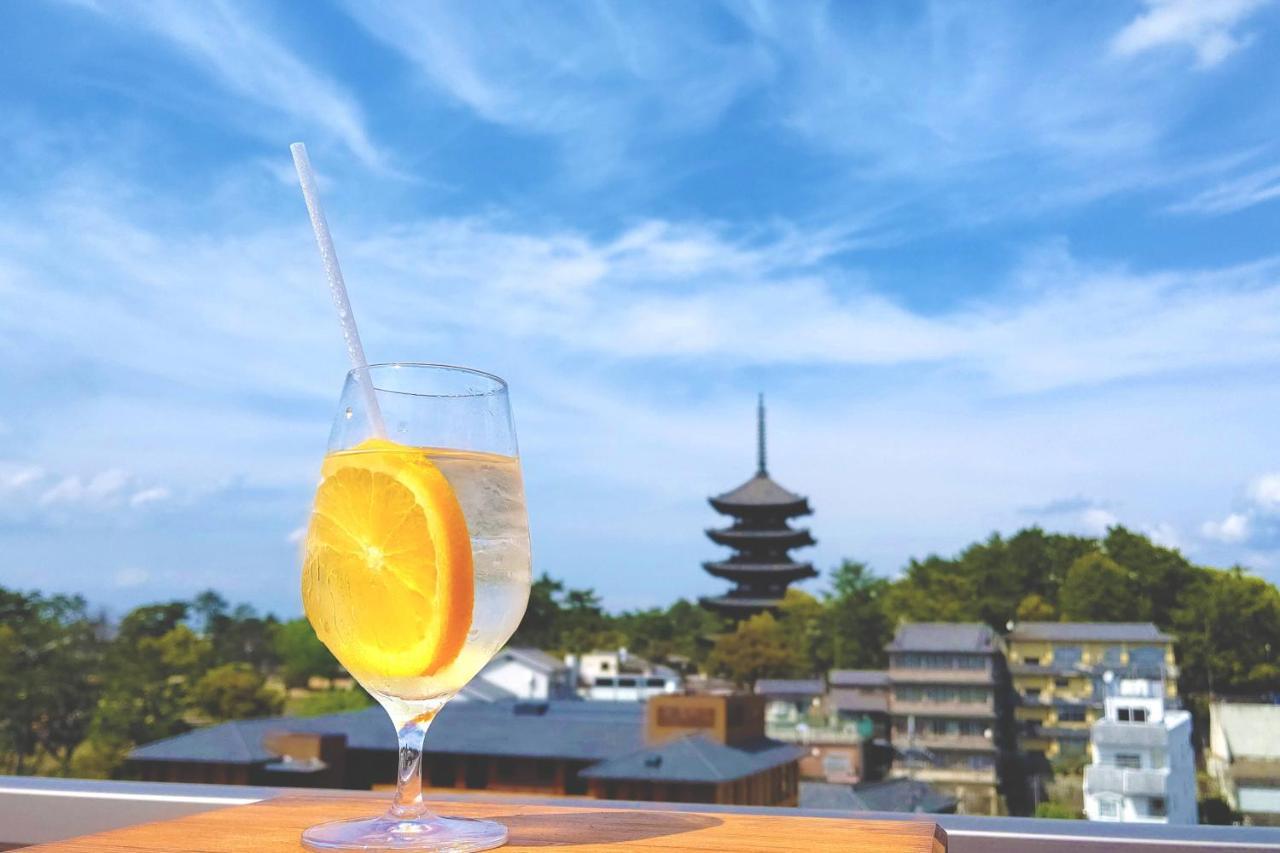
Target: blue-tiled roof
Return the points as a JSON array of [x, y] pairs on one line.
[[790, 687], [893, 795], [1098, 632], [943, 637], [696, 758], [587, 731]]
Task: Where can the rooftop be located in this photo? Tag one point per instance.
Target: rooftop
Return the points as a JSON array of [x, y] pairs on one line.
[[1252, 731], [535, 659], [790, 687], [944, 637], [891, 795], [858, 678], [696, 758], [555, 729], [1099, 632]]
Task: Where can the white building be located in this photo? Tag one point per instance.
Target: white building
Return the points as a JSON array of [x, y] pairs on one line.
[[619, 677], [1244, 756], [1143, 768], [516, 673]]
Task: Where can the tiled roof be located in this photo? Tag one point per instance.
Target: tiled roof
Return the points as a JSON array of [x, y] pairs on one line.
[[943, 637], [760, 490], [1253, 731], [1098, 632], [696, 758], [858, 678], [790, 687], [587, 731], [480, 690]]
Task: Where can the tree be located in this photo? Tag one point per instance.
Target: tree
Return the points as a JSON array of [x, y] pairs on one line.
[[806, 629], [1034, 608], [860, 626], [146, 680], [539, 626], [1228, 630], [1058, 811], [235, 691], [243, 636], [332, 702], [208, 606], [301, 654], [1163, 573], [757, 649], [1098, 589], [49, 656]]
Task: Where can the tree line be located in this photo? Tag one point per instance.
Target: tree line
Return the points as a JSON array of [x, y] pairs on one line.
[[80, 692], [1226, 622]]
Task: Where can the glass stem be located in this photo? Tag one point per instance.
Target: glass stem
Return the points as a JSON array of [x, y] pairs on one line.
[[408, 803]]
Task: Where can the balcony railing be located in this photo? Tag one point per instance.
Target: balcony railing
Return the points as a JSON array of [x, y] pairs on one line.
[[1108, 733], [1126, 781], [36, 810]]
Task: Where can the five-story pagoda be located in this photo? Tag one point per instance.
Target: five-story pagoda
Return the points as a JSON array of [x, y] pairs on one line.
[[760, 537]]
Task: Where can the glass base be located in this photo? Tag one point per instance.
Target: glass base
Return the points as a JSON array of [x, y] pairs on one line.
[[427, 833]]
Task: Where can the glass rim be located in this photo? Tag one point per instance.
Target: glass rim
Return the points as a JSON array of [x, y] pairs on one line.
[[499, 384]]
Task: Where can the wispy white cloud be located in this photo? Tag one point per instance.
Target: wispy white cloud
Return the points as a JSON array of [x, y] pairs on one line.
[[1238, 193], [239, 50], [131, 576], [1207, 28], [152, 495], [600, 77]]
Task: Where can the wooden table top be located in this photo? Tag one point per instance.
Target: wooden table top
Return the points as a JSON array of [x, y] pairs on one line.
[[274, 825]]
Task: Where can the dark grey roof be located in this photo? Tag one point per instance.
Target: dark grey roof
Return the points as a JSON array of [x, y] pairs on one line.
[[790, 687], [943, 637], [1098, 632], [586, 731], [893, 795], [759, 491], [696, 758], [858, 678], [830, 796], [903, 795]]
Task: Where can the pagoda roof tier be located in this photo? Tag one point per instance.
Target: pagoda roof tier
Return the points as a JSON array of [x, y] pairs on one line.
[[779, 538], [761, 572], [761, 495], [738, 608]]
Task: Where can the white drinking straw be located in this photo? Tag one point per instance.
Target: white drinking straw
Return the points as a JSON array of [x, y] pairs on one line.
[[337, 286]]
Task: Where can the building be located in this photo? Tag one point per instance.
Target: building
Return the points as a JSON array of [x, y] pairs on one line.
[[703, 749], [1143, 769], [1244, 756], [860, 697], [1057, 670], [707, 749], [520, 673], [841, 747], [760, 566], [792, 701], [947, 698], [616, 676]]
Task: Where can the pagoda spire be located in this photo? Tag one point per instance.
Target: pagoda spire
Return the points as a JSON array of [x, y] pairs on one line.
[[761, 469], [760, 538]]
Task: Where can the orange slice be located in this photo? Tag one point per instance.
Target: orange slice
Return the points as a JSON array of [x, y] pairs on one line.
[[387, 578]]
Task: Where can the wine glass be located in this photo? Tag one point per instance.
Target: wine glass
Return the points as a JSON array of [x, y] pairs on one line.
[[416, 567]]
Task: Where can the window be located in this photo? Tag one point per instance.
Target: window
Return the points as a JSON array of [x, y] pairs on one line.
[[1071, 715], [602, 681], [1113, 655], [1031, 661], [604, 666], [1156, 807], [1032, 694], [1108, 808], [1130, 760], [1131, 715], [1149, 657], [1062, 682], [654, 682], [1066, 655], [626, 682]]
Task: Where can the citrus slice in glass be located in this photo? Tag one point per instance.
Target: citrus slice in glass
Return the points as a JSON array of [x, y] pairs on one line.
[[387, 578]]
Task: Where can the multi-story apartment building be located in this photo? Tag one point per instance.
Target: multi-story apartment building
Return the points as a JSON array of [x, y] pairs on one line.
[[1143, 768], [1057, 670], [1244, 757], [946, 702]]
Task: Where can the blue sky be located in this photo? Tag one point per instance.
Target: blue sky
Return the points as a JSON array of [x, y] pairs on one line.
[[993, 265]]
